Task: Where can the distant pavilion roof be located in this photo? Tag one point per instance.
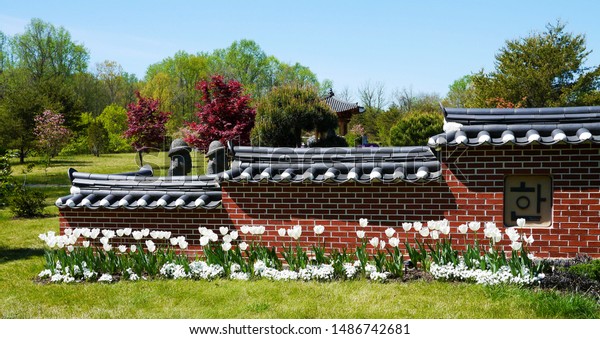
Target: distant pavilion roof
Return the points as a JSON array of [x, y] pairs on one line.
[[520, 126], [340, 106]]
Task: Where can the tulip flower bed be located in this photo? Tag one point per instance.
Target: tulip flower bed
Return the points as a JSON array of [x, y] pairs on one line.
[[101, 255]]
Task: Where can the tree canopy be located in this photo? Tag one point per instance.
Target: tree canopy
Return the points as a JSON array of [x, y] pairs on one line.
[[285, 112], [224, 114], [542, 69]]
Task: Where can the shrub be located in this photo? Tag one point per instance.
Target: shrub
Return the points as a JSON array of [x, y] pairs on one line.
[[416, 128], [589, 270], [6, 180], [27, 203]]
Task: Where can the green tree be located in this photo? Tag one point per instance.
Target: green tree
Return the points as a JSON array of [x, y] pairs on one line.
[[44, 63], [542, 69], [20, 104], [285, 112], [460, 93], [98, 137], [114, 120], [415, 128], [247, 63], [173, 81]]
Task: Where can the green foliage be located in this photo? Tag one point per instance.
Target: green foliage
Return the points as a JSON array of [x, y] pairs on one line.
[[589, 270], [114, 120], [287, 111], [352, 139], [26, 202], [460, 93], [6, 180], [98, 138], [542, 70], [416, 128], [77, 145]]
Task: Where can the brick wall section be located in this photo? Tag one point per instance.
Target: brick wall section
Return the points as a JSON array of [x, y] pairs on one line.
[[471, 189], [476, 175]]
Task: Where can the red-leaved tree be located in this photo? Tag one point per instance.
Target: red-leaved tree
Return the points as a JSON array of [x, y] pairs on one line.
[[224, 114], [146, 124]]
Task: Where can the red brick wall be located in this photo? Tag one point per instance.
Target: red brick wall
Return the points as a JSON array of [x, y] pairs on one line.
[[476, 175], [471, 189]]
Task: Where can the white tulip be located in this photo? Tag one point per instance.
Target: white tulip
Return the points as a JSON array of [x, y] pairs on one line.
[[445, 228], [223, 230], [145, 232], [474, 226], [133, 248], [120, 232], [94, 233], [382, 244], [234, 235], [202, 230], [424, 232], [244, 229], [516, 245], [243, 246], [360, 234], [512, 234], [435, 234], [529, 240], [394, 242], [227, 238], [122, 248], [86, 243], [204, 240], [406, 226], [319, 229], [374, 242], [390, 232], [463, 228], [281, 232], [418, 226], [155, 235], [127, 231], [104, 240], [183, 244], [150, 245], [70, 248], [213, 237], [137, 235], [521, 222], [68, 231], [261, 230], [226, 246], [174, 241], [363, 222], [107, 247]]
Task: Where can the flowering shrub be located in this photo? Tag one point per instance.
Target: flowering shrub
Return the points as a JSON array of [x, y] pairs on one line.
[[100, 255]]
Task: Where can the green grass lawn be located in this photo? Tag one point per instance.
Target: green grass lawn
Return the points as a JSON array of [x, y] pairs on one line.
[[21, 259]]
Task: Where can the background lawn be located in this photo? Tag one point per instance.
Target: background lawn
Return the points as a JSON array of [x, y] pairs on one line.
[[21, 259]]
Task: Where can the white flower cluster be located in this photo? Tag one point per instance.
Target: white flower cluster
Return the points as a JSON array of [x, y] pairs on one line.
[[59, 275], [173, 271], [236, 274], [487, 277], [262, 270], [350, 270], [105, 278], [201, 270], [323, 272]]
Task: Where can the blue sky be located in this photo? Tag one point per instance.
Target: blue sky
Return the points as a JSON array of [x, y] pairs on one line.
[[422, 45]]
